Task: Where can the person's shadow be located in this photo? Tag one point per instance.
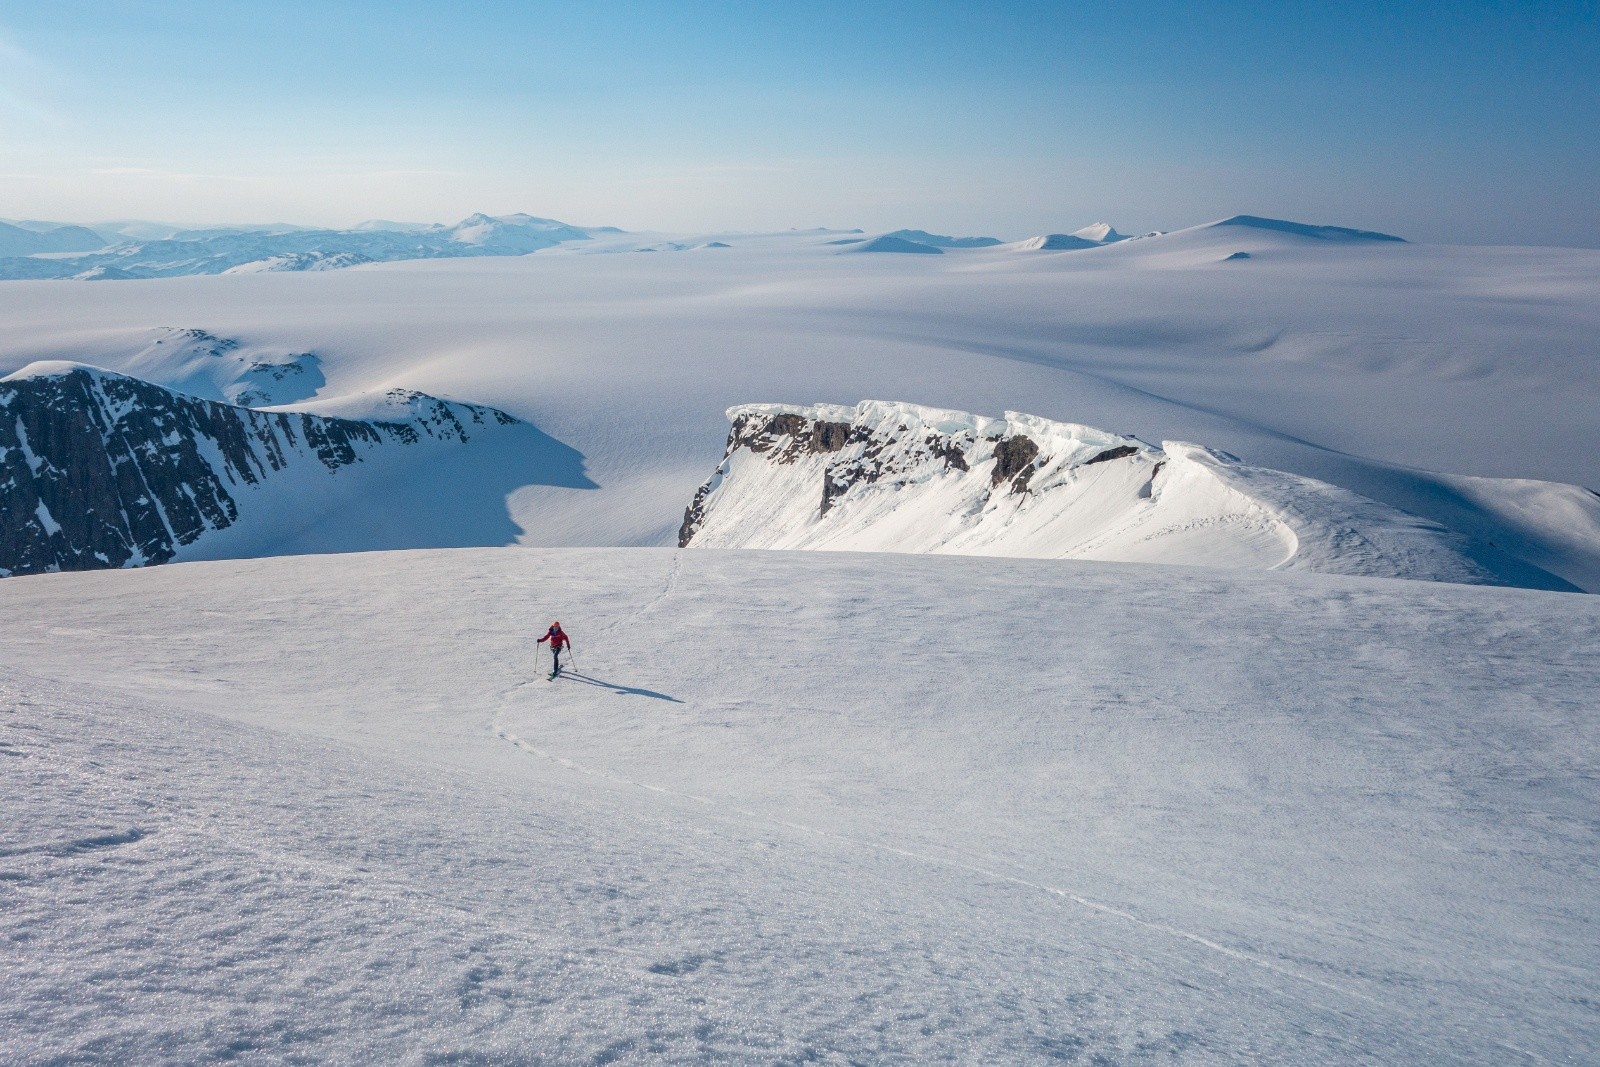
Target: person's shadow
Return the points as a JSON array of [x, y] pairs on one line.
[[620, 690]]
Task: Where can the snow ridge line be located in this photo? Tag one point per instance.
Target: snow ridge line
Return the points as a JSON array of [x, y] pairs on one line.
[[1104, 909]]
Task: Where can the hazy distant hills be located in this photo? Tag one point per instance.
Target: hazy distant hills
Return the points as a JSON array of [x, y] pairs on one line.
[[27, 239], [127, 251]]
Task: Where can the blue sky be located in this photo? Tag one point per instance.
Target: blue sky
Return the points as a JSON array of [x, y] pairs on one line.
[[1454, 122]]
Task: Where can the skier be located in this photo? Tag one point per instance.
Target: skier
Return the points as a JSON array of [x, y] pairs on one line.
[[558, 640]]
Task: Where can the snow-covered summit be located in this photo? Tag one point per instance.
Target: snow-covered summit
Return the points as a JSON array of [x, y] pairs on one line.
[[56, 368], [301, 261], [891, 243], [1101, 233], [1052, 242], [939, 240], [1301, 229], [887, 476], [514, 234]]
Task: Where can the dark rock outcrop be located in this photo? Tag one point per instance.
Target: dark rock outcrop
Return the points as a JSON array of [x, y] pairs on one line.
[[791, 435], [1013, 462], [1112, 453]]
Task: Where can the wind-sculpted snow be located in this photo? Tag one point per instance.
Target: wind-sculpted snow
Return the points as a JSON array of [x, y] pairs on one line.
[[899, 477], [201, 364], [1300, 229], [104, 470], [792, 808]]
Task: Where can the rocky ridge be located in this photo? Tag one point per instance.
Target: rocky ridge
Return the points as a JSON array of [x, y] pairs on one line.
[[102, 470]]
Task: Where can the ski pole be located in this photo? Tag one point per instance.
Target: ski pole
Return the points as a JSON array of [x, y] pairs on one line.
[[537, 649]]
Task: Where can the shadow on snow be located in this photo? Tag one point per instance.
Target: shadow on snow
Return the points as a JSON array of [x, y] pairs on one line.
[[620, 690]]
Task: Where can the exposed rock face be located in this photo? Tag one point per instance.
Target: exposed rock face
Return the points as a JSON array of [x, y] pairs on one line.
[[1013, 462], [790, 434], [103, 470], [904, 478]]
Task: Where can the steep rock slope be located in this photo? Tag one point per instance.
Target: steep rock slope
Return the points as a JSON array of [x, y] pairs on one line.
[[103, 470], [889, 476]]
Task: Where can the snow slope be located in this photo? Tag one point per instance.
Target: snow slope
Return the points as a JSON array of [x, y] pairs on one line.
[[1100, 233], [793, 807], [1052, 242], [899, 477], [192, 361], [1369, 365]]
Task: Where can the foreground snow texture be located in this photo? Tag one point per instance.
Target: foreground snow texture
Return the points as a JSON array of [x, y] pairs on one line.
[[815, 807], [900, 477]]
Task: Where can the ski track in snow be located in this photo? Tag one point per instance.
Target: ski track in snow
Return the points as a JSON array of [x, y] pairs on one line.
[[1105, 909], [337, 878], [659, 600]]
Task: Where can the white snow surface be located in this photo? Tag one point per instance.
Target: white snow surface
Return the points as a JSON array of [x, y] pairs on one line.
[[1457, 384], [793, 807]]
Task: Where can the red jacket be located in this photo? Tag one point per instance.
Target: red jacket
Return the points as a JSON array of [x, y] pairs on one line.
[[557, 638]]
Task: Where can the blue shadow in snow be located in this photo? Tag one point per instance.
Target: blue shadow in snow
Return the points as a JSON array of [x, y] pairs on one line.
[[440, 494], [620, 690]]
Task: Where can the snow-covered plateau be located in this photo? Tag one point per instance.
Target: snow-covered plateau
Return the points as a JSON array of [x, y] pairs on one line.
[[899, 477], [793, 807], [1114, 732]]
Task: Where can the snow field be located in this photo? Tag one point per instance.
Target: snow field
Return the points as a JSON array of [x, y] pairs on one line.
[[1351, 362], [825, 807]]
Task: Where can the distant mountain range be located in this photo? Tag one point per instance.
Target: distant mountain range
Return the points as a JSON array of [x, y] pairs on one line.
[[1099, 235], [129, 249], [27, 239], [125, 250]]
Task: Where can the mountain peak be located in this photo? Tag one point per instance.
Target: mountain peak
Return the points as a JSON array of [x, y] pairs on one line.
[[1099, 232], [1301, 229]]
